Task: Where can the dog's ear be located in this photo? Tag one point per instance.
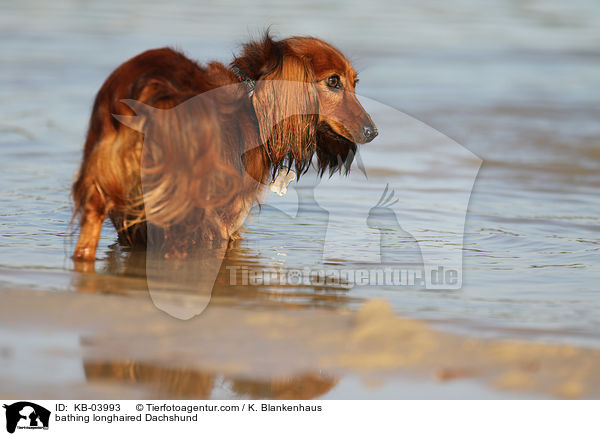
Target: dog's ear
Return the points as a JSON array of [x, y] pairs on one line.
[[287, 108]]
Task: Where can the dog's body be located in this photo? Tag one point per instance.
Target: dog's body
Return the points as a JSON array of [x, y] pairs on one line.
[[201, 162]]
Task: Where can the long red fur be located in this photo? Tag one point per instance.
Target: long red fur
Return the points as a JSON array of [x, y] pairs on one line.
[[186, 170]]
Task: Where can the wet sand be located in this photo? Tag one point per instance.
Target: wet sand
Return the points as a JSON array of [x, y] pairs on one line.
[[73, 345]]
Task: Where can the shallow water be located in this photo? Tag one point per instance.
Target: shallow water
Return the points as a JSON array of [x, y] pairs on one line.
[[514, 83]]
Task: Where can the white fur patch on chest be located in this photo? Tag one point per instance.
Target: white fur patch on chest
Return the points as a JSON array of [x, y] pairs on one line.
[[280, 184]]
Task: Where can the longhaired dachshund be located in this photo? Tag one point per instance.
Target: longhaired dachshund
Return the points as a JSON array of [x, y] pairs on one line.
[[177, 153]]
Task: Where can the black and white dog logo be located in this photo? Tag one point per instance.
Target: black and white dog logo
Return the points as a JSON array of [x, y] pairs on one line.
[[26, 415]]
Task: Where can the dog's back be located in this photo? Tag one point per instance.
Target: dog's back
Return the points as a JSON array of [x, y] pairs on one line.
[[162, 161]]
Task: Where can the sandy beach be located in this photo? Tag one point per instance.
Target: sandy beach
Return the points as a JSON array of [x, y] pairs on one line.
[[69, 345]]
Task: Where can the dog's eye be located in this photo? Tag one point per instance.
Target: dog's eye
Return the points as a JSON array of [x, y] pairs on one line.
[[334, 81]]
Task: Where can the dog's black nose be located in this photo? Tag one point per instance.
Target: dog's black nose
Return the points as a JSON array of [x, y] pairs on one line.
[[370, 132]]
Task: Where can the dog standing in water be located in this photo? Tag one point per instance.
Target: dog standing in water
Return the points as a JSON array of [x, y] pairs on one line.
[[201, 169]]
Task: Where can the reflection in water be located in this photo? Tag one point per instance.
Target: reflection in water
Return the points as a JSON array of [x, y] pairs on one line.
[[129, 271], [304, 387], [194, 275], [192, 383], [162, 382], [124, 271]]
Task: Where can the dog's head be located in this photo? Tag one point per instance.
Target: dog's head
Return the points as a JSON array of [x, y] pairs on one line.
[[305, 103]]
